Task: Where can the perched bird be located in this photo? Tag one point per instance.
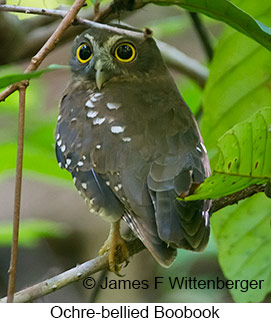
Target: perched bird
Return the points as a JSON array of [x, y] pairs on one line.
[[132, 144]]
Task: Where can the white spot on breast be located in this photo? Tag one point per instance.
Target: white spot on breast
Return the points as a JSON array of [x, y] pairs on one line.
[[198, 149], [97, 95], [57, 136], [84, 185], [73, 119], [59, 142], [113, 106], [98, 146], [126, 139], [59, 117], [117, 129], [60, 165], [92, 114], [120, 186], [89, 104], [98, 121], [107, 183], [68, 161], [84, 157], [80, 163], [63, 148], [116, 188], [74, 180]]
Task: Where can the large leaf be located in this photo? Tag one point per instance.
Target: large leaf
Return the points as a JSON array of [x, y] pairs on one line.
[[244, 242], [244, 158], [239, 80], [239, 83], [227, 12], [13, 78]]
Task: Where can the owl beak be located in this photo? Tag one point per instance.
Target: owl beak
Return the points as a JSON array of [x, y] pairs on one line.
[[101, 75]]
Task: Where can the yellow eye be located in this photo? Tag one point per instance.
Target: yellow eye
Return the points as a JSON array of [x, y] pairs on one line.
[[125, 52], [84, 53]]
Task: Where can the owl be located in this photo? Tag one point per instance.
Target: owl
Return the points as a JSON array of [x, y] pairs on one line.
[[132, 145]]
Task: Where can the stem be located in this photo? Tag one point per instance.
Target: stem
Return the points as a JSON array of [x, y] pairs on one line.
[[203, 34], [17, 198]]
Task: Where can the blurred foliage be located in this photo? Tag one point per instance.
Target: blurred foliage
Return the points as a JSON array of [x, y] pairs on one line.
[[192, 94], [243, 158], [31, 232], [39, 154]]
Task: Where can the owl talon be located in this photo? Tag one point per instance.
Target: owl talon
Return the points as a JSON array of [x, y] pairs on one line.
[[116, 248]]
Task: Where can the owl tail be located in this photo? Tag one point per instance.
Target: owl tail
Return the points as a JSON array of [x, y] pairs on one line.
[[182, 224], [146, 230]]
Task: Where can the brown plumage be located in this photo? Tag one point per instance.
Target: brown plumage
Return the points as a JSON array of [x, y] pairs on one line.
[[132, 144]]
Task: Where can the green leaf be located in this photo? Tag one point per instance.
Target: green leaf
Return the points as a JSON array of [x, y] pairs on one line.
[[239, 80], [227, 12], [13, 78], [243, 238], [31, 232], [244, 158]]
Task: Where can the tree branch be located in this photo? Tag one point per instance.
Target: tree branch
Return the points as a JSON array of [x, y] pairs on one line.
[[70, 276], [100, 263], [172, 56]]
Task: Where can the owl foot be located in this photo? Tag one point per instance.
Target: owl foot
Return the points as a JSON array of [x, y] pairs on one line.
[[116, 248]]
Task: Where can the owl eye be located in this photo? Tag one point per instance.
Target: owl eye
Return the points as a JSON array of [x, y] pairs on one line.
[[84, 53], [125, 52]]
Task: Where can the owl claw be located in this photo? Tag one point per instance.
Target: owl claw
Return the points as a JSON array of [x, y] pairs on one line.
[[116, 248]]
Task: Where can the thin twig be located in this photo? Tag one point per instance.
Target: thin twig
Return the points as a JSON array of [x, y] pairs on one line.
[[17, 197], [203, 34], [100, 263]]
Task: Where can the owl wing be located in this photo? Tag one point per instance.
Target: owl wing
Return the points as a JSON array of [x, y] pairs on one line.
[[73, 151], [179, 162], [172, 175]]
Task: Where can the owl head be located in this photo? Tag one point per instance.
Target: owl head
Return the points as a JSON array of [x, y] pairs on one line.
[[101, 55]]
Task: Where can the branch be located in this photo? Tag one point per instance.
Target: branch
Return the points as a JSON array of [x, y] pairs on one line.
[[17, 196], [236, 197], [183, 63], [100, 263], [70, 276], [172, 56]]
